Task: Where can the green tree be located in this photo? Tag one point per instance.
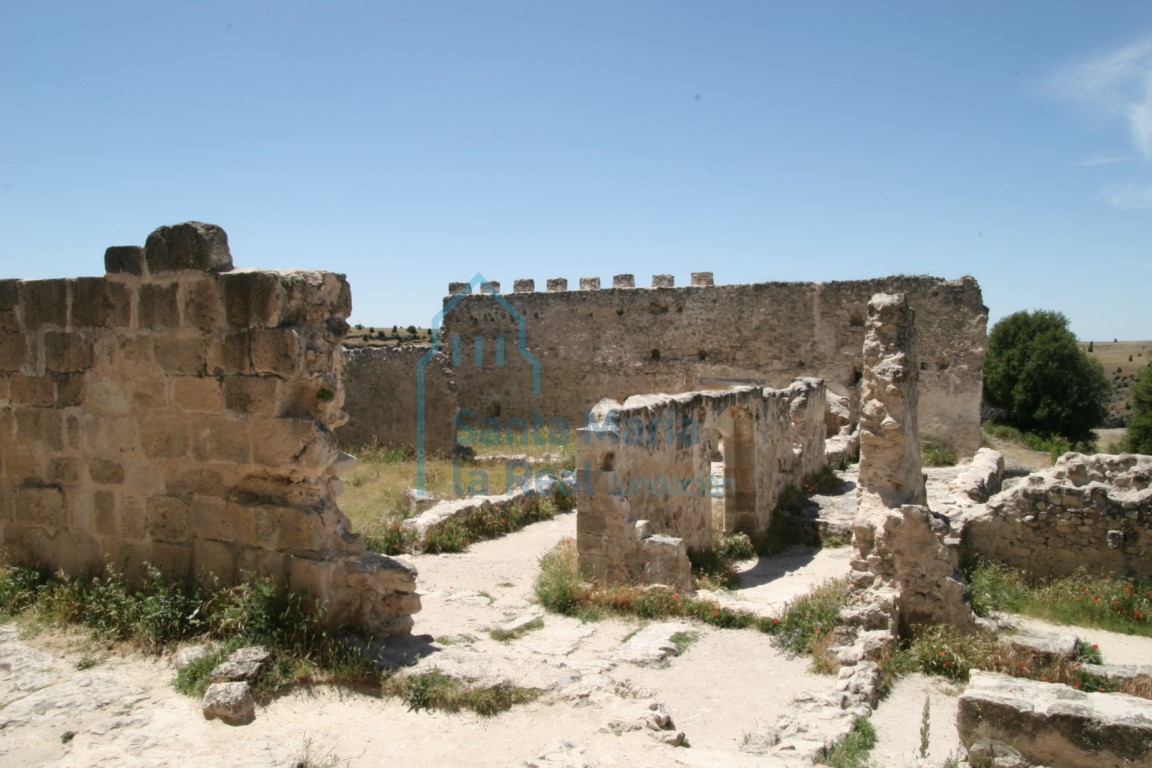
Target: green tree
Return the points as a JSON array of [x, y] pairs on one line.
[[1139, 438], [1037, 372]]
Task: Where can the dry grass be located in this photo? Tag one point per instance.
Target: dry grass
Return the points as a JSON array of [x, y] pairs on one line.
[[1121, 371]]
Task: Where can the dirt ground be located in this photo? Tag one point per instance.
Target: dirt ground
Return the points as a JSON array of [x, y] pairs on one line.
[[123, 711]]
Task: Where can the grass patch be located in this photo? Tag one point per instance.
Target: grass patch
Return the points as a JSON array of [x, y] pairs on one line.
[[933, 454], [713, 568], [435, 689], [508, 635], [945, 651], [682, 640], [853, 751], [560, 588], [1081, 599], [1054, 445], [158, 613]]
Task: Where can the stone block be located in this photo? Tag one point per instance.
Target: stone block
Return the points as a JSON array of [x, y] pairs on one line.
[[172, 559], [524, 286], [624, 281], [198, 393], [663, 281], [124, 260], [79, 553], [315, 298], [302, 443], [100, 303], [231, 354], [34, 391], [277, 351], [185, 354], [167, 518], [300, 530], [63, 471], [256, 395], [40, 425], [13, 351], [163, 437], [67, 352], [267, 563], [252, 299], [231, 702], [40, 505], [220, 439], [192, 245], [106, 516], [158, 307], [69, 389], [218, 520], [589, 283], [45, 303], [10, 305], [215, 558], [199, 480], [133, 519], [557, 284], [201, 299], [701, 279]]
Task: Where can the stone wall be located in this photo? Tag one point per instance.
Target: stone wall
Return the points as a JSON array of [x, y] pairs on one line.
[[645, 486], [382, 386], [180, 412], [1089, 511], [615, 342]]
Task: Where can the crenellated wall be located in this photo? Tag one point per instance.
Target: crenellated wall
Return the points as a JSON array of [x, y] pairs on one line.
[[180, 412], [614, 342]]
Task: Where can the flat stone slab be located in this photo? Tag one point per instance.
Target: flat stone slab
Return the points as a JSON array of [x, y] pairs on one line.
[[558, 640], [1061, 646], [520, 622], [1052, 724], [652, 645], [1122, 673]]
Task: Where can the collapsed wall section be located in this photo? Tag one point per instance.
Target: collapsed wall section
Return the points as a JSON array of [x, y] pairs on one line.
[[180, 413], [1093, 512], [646, 491], [615, 342]]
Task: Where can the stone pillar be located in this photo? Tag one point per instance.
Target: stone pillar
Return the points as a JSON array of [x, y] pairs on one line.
[[890, 472], [701, 279], [663, 281], [557, 284], [624, 281], [489, 288], [589, 283], [524, 286], [455, 288]]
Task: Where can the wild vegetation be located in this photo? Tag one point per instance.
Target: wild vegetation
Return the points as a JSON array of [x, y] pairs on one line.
[[1037, 373]]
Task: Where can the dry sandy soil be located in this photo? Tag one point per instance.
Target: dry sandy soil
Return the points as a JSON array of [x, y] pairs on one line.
[[124, 712]]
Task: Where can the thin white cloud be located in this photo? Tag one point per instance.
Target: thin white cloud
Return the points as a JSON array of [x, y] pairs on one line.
[[1120, 85], [1104, 160]]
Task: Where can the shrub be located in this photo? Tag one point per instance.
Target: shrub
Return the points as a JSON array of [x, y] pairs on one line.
[[1038, 373], [1139, 438], [936, 455], [557, 585]]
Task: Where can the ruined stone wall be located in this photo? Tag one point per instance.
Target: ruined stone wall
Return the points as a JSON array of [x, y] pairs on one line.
[[1086, 511], [645, 486], [179, 412], [381, 387], [619, 341]]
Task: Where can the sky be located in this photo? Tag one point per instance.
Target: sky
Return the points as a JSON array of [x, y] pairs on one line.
[[412, 144]]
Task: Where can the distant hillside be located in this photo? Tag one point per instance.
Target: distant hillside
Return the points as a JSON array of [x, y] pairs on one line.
[[1122, 361], [385, 336]]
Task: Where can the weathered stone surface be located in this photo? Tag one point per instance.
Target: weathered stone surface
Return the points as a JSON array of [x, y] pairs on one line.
[[230, 702], [1053, 725], [982, 477], [169, 423], [191, 245], [190, 654], [1091, 512], [653, 645], [1045, 646], [395, 420], [244, 664], [770, 333]]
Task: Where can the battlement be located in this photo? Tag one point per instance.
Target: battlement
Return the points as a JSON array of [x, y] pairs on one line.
[[586, 283]]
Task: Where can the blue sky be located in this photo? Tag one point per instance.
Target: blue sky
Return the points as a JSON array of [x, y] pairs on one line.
[[412, 144]]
